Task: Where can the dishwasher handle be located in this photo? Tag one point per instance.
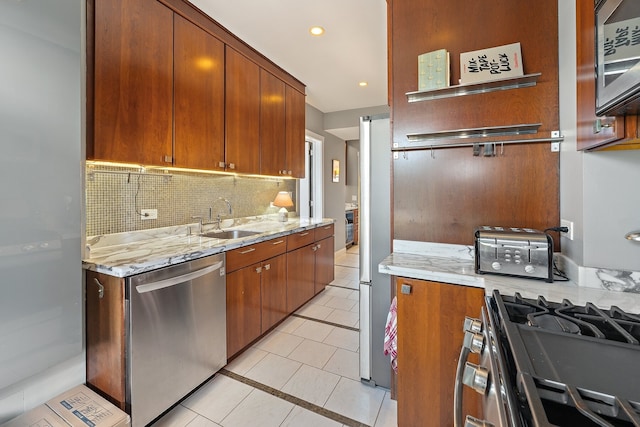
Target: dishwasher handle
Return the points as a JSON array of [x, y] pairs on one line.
[[161, 284]]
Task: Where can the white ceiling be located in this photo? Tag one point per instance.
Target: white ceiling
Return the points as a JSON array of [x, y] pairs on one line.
[[353, 48]]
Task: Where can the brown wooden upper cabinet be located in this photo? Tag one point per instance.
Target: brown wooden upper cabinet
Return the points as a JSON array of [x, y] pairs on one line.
[[242, 113], [272, 124], [199, 78], [281, 128], [294, 132], [168, 86], [596, 133], [132, 83]]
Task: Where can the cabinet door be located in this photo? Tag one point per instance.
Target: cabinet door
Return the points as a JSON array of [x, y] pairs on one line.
[[242, 113], [243, 308], [324, 263], [272, 124], [274, 291], [105, 335], [198, 97], [300, 277], [133, 82], [430, 335], [294, 132], [593, 131]]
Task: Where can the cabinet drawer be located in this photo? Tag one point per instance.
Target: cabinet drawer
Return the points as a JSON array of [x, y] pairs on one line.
[[298, 240], [323, 232], [247, 255]]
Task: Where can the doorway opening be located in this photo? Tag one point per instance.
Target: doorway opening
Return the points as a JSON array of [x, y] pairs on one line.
[[311, 189]]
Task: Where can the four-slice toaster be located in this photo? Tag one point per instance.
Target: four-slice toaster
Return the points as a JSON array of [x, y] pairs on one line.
[[520, 252]]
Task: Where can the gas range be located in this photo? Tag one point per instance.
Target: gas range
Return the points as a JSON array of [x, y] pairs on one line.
[[555, 364]]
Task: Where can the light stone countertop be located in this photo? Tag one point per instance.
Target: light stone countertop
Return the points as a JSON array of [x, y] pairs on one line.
[[455, 264], [127, 254]]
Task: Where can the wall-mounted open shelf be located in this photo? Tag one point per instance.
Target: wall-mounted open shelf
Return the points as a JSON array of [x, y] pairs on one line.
[[474, 88], [474, 136]]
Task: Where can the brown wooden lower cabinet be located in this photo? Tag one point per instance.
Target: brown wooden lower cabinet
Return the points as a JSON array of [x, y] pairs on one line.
[[273, 291], [324, 264], [243, 308], [430, 335], [300, 276], [105, 335]]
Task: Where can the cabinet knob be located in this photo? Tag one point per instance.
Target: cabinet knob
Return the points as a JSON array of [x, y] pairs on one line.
[[405, 289], [221, 165], [259, 270], [267, 267], [600, 124], [168, 159], [232, 165]]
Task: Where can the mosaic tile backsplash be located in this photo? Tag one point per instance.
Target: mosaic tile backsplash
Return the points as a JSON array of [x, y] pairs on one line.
[[115, 197]]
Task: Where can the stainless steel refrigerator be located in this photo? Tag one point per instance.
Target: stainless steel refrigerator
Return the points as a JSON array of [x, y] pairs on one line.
[[374, 246]]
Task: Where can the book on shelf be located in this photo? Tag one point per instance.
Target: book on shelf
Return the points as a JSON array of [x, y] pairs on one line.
[[493, 63], [433, 70]]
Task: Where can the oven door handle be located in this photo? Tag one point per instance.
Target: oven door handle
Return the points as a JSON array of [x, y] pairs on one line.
[[457, 392]]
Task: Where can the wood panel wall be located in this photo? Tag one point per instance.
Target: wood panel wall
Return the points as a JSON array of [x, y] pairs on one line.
[[444, 194]]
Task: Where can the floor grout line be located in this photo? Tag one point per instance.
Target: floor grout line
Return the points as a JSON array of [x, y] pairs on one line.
[[295, 400], [337, 325]]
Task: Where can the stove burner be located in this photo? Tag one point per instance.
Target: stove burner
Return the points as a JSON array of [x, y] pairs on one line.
[[554, 323], [568, 365], [613, 324]]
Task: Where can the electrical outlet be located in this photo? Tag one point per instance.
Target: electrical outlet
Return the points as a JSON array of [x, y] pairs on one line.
[[148, 214], [569, 225]]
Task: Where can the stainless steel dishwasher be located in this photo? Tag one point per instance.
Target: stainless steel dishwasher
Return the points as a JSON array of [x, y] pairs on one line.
[[176, 328]]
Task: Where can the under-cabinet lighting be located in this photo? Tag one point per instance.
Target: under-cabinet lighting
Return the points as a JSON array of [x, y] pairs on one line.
[[167, 169]]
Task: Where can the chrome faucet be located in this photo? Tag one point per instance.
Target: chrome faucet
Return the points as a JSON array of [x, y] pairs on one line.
[[218, 219]]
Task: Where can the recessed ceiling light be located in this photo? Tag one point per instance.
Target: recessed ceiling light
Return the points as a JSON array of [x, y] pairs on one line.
[[316, 31], [363, 84]]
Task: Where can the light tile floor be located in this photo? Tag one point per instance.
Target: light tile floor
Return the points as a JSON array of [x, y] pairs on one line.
[[303, 373]]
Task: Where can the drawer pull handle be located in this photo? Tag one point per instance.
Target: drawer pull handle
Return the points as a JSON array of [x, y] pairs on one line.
[[303, 234], [100, 288], [247, 251], [328, 226], [278, 242]]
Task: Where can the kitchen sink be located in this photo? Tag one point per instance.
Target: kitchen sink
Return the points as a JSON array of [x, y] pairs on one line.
[[230, 234]]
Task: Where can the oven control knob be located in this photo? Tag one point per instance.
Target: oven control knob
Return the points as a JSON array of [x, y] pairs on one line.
[[473, 341], [472, 325], [496, 265], [474, 422], [529, 268], [475, 377]]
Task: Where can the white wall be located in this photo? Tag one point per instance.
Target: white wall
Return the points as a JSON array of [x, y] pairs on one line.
[[334, 148], [598, 190]]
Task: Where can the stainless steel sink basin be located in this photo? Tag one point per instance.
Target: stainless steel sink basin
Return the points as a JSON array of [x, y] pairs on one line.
[[230, 234]]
